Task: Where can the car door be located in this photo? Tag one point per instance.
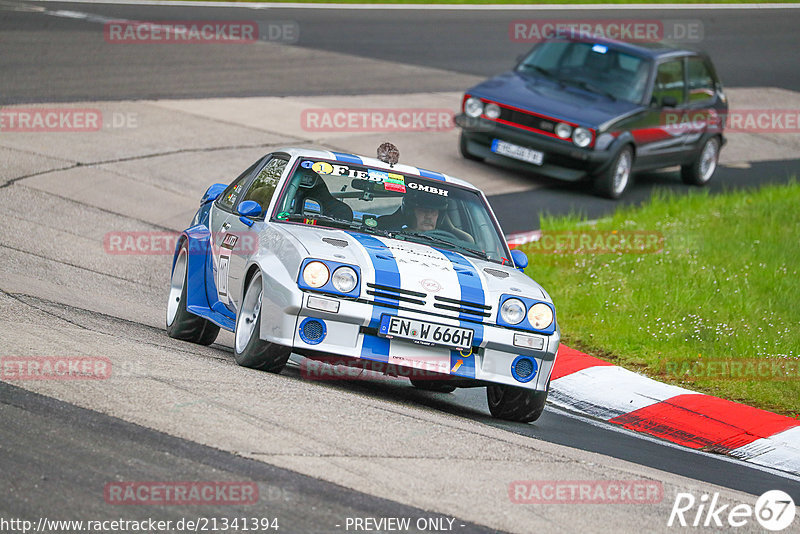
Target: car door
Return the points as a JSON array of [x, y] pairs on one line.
[[700, 115], [221, 211], [658, 142], [240, 234]]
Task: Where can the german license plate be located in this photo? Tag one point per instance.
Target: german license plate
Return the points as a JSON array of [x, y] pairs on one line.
[[504, 148], [425, 332]]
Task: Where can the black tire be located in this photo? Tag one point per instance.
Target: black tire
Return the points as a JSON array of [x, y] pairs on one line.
[[701, 170], [248, 348], [181, 324], [516, 404], [438, 386], [465, 153], [615, 180]]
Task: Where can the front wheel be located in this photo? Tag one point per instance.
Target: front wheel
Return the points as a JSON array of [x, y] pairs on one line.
[[614, 181], [700, 171], [248, 347], [180, 323], [516, 404]]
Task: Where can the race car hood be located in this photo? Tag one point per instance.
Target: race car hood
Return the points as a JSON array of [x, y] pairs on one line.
[[546, 97], [415, 267]]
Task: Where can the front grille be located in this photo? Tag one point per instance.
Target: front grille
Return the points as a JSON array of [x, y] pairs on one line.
[[394, 293], [462, 306], [528, 120]]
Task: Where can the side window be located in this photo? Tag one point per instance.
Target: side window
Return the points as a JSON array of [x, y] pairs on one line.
[[669, 82], [264, 185], [227, 200], [701, 84]]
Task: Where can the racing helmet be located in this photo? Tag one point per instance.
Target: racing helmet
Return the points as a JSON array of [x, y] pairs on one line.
[[415, 198]]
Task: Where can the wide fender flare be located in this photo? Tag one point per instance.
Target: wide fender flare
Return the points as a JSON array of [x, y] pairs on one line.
[[198, 239], [281, 299]]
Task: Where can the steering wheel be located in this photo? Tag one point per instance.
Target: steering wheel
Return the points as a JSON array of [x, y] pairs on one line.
[[442, 234]]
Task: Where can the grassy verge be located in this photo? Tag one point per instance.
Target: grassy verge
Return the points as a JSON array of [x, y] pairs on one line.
[[716, 310]]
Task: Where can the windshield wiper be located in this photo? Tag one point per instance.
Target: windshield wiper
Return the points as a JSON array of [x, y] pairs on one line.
[[593, 88], [440, 240], [331, 221]]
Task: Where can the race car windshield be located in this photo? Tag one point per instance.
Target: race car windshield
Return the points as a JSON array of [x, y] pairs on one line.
[[594, 67], [392, 204]]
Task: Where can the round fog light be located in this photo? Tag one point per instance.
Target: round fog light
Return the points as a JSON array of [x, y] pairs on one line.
[[563, 130], [512, 311], [492, 111], [581, 137], [344, 279], [473, 107], [316, 274]]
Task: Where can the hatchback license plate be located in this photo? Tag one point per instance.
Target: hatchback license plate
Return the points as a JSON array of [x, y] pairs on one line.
[[504, 148], [425, 332]]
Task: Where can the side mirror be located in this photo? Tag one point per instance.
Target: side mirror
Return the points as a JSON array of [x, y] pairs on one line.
[[669, 101], [520, 258], [249, 208], [212, 193]]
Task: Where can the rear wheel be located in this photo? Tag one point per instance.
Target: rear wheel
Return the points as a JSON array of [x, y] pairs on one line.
[[516, 404], [248, 348], [465, 153], [614, 181], [439, 386], [180, 323], [700, 171]]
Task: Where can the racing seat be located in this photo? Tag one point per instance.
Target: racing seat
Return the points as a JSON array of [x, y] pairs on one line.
[[318, 192]]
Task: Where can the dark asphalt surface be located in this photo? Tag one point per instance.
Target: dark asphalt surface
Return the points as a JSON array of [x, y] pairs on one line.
[[57, 458], [49, 58]]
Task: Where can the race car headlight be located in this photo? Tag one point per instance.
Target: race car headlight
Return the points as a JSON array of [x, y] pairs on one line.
[[492, 111], [344, 279], [563, 130], [316, 274], [540, 316], [473, 107], [581, 137], [512, 311]]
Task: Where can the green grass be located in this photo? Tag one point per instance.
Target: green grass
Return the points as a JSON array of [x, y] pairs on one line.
[[726, 285]]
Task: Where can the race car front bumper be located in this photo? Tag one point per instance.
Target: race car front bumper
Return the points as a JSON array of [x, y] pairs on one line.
[[352, 331]]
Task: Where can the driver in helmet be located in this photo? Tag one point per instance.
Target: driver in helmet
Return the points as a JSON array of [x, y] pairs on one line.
[[419, 211]]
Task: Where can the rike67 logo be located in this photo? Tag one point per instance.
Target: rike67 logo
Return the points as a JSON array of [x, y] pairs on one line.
[[774, 511]]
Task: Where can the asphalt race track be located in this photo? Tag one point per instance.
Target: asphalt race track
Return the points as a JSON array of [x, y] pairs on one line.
[[320, 452]]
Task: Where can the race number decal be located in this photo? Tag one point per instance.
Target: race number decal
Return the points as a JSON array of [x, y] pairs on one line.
[[225, 250]]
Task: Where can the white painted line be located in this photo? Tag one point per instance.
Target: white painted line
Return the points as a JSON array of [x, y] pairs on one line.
[[441, 7]]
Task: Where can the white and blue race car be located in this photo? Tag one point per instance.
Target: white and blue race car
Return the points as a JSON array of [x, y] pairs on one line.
[[377, 263]]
